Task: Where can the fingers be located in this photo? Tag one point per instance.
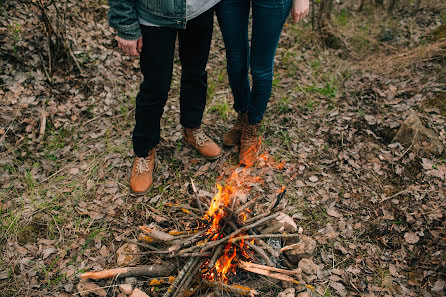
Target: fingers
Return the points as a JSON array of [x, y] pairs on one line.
[[130, 47], [139, 45]]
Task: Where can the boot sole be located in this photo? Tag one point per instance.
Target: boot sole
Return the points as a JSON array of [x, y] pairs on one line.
[[148, 190], [207, 158]]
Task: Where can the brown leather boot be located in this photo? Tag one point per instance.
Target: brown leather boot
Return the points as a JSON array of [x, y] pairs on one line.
[[250, 143], [232, 137], [141, 179], [202, 143]]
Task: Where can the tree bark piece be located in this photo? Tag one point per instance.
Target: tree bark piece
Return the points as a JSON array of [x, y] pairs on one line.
[[148, 270]]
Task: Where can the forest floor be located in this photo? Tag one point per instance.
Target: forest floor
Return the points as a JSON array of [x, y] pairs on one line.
[[376, 208]]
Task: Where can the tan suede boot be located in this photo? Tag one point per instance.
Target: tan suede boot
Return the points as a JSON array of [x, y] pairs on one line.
[[250, 144], [232, 137], [202, 143], [141, 178]]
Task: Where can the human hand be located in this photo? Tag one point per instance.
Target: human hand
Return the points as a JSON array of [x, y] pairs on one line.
[[130, 47], [299, 10]]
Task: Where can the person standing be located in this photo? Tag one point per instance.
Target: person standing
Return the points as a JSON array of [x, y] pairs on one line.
[[149, 29], [268, 18]]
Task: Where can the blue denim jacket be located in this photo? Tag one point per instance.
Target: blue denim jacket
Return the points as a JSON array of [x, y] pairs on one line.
[[124, 15]]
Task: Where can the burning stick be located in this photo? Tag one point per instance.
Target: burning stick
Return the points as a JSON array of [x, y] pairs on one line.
[[149, 270], [215, 256], [244, 291], [237, 232]]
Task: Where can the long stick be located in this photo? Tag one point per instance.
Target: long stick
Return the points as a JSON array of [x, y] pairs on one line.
[[191, 277], [263, 236], [197, 262], [172, 288], [245, 291], [149, 270]]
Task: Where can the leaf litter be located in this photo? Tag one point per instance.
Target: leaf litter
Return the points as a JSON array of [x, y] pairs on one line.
[[372, 210]]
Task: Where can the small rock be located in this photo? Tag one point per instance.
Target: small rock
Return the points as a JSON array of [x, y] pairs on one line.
[[313, 178], [128, 255], [438, 286], [126, 288], [289, 292], [308, 266], [130, 280], [304, 294], [411, 237], [419, 138], [304, 248], [138, 293]]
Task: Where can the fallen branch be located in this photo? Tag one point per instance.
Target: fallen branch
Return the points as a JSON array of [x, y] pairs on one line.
[[241, 290], [149, 270]]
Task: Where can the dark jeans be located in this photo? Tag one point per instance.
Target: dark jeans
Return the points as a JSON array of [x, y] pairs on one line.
[[268, 18], [156, 66]]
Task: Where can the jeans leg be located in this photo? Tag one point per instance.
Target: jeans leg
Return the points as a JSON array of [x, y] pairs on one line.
[[156, 66], [268, 18], [233, 18], [194, 45]]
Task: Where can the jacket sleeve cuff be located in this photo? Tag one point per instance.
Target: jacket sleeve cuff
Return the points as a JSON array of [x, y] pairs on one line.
[[130, 32]]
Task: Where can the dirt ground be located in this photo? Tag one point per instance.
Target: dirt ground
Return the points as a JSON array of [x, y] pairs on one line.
[[375, 207]]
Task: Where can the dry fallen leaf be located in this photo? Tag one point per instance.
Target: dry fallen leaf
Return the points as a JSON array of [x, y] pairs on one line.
[[334, 213]]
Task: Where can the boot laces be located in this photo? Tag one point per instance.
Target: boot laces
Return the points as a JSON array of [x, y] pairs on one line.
[[143, 164], [200, 137], [250, 135]]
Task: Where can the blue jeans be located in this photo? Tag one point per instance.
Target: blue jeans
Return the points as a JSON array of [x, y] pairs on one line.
[[268, 18]]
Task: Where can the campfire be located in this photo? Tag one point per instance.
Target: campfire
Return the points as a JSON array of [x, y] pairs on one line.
[[226, 240]]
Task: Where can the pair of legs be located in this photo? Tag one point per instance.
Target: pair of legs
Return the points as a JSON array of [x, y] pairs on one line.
[[268, 18], [156, 66], [156, 61]]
